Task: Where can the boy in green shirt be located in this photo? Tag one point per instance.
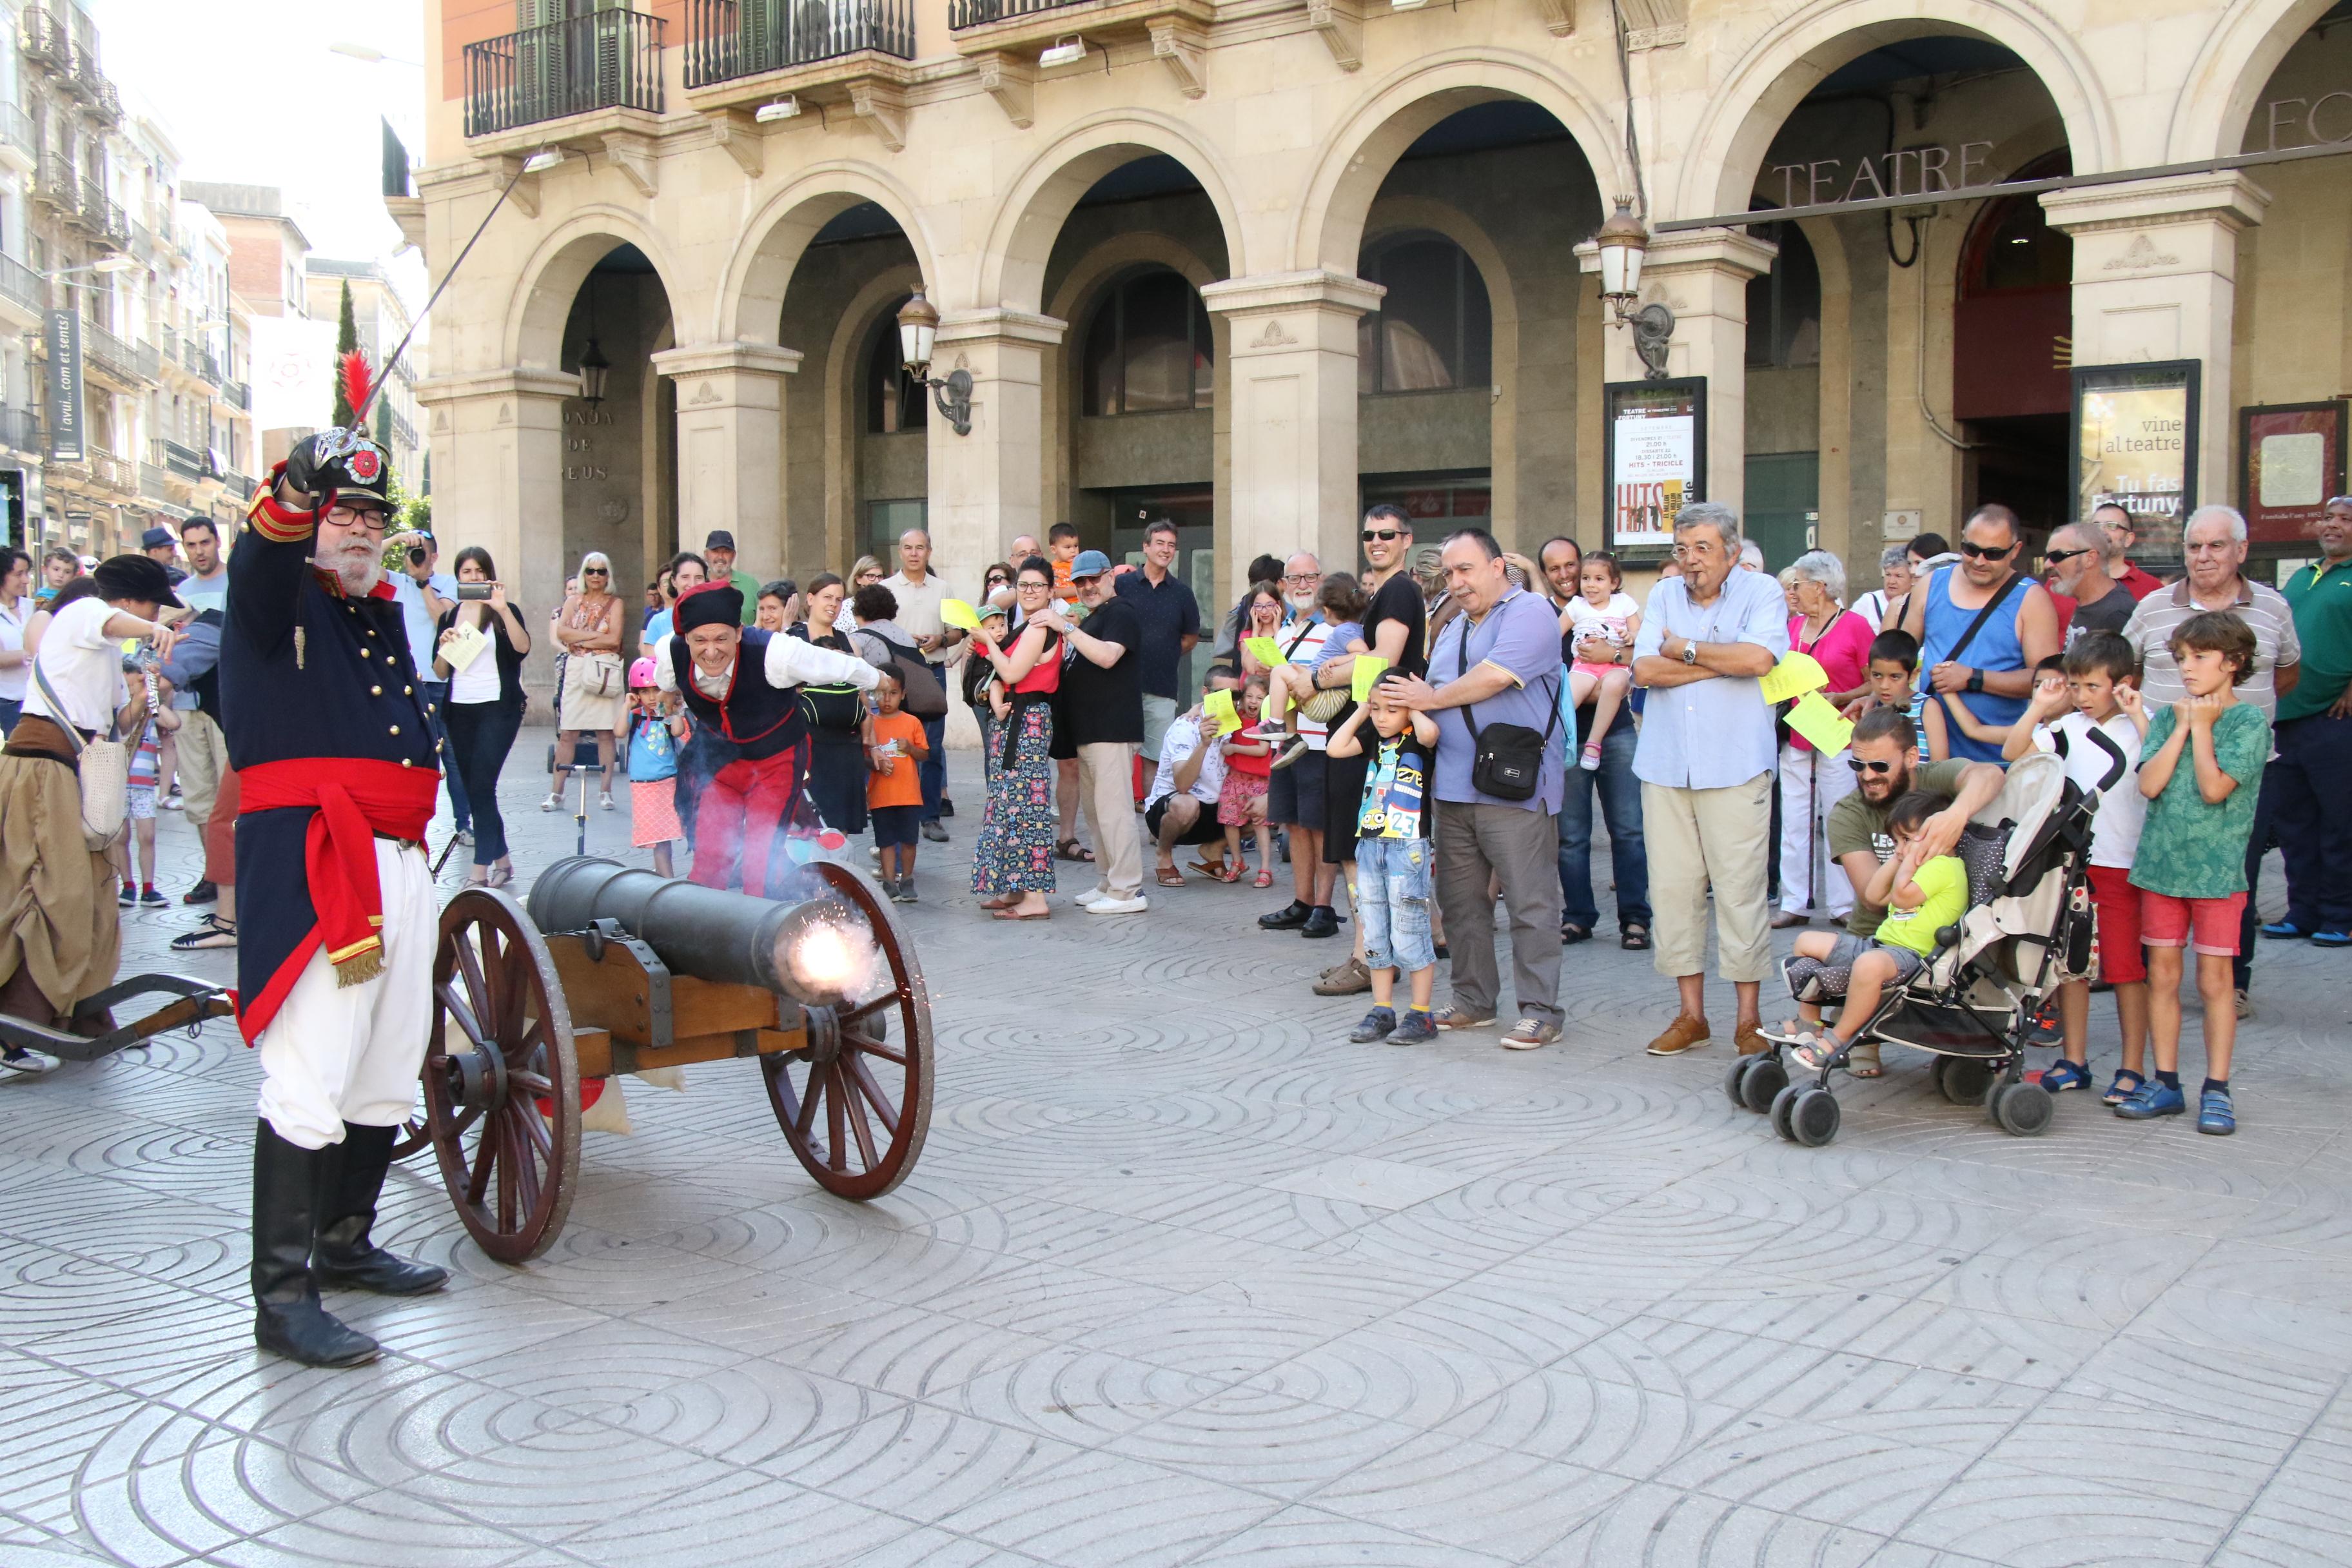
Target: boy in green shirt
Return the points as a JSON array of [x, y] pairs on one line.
[[2201, 770], [1921, 894]]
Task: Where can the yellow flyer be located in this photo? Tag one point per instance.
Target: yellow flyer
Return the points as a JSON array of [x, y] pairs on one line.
[[1266, 650], [958, 615], [1367, 672], [1820, 723], [1796, 674]]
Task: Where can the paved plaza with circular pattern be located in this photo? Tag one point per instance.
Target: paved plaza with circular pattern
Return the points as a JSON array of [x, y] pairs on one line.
[[1183, 1278]]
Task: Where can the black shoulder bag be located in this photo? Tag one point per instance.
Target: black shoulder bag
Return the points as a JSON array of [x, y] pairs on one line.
[[1967, 637], [1508, 762]]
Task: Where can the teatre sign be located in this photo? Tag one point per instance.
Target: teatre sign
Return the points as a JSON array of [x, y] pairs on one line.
[[1930, 171]]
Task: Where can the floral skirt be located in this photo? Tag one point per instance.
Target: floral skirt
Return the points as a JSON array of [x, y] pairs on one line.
[[1015, 851], [1241, 800]]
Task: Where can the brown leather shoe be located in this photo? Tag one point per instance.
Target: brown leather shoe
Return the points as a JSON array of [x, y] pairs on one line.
[[1684, 1034], [1750, 1040]]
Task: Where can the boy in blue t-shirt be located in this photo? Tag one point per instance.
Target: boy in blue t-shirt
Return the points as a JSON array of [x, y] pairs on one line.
[[1393, 863]]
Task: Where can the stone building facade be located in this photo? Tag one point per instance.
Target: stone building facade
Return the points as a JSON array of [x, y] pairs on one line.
[[1250, 264]]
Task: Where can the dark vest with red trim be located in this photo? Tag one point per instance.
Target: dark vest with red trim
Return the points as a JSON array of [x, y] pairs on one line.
[[759, 719]]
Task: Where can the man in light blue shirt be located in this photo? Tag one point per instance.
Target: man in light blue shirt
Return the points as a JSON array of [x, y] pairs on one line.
[[1705, 758], [1498, 663]]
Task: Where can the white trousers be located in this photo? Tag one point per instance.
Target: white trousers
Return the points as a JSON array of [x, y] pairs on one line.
[[350, 1053], [1810, 784]]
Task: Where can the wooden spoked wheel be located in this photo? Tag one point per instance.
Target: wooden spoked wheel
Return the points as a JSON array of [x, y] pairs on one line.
[[414, 1135], [856, 1103], [501, 1084]]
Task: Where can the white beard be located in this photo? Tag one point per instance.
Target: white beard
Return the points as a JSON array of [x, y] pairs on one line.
[[360, 568]]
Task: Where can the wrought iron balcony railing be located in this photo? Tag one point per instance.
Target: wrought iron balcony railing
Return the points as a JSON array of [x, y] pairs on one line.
[[185, 461], [16, 130], [731, 38], [972, 13], [45, 40], [20, 428], [237, 394], [605, 59], [22, 284]]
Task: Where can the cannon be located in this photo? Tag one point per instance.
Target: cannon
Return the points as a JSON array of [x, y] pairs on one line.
[[612, 970]]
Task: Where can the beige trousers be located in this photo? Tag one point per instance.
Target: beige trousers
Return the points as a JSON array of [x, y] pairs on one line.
[[1702, 837], [1106, 789], [203, 756]]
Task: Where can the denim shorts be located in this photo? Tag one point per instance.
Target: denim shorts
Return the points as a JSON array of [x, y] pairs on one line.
[[1392, 877], [1851, 947]]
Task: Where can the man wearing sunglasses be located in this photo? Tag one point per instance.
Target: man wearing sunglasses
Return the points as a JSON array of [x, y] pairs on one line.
[[1982, 626], [2088, 597], [1884, 757]]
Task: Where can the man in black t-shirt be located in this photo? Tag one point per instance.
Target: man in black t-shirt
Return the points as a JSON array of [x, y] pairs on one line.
[[1099, 709], [1395, 629]]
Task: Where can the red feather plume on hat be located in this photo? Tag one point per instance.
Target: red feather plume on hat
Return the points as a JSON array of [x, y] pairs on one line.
[[357, 385]]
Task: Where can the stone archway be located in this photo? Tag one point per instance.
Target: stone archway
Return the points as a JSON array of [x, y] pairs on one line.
[[751, 300], [533, 337], [2217, 95]]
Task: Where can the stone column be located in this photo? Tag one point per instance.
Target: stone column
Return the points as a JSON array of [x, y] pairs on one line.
[[731, 446], [1291, 368], [989, 486], [1702, 277], [498, 437], [2156, 266]]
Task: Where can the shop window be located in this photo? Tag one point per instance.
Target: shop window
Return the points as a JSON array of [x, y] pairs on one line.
[[1149, 349], [893, 403], [1784, 305], [1434, 328]]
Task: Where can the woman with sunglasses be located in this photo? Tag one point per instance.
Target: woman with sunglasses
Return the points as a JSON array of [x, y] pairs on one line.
[[1013, 863], [594, 694]]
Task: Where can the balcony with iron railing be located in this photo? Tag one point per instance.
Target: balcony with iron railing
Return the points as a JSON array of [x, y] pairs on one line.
[[731, 39], [20, 429], [605, 59], [239, 486], [133, 364], [45, 38], [403, 434], [106, 100], [1175, 30], [82, 80], [964, 14], [104, 215], [56, 186], [200, 361], [237, 394], [154, 482], [22, 285], [16, 139], [182, 461]]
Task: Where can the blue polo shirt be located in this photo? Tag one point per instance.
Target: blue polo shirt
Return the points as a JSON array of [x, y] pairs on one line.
[[1520, 636], [1170, 614]]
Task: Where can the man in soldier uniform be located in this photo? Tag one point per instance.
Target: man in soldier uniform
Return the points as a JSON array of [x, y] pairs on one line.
[[331, 736]]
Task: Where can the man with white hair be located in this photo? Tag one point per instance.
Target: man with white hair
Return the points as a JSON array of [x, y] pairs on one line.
[[2089, 598], [921, 592], [2214, 546], [1704, 758], [1751, 556]]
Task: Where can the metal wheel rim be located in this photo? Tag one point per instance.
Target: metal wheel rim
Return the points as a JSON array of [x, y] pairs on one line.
[[853, 1145], [511, 1183]]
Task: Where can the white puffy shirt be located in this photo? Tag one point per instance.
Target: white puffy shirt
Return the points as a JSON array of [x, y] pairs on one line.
[[790, 662]]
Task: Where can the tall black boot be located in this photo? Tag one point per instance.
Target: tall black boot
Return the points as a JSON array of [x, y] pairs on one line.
[[346, 1258], [288, 1183]]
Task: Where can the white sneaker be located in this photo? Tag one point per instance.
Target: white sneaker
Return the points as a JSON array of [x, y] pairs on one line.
[[1110, 906], [1091, 896]]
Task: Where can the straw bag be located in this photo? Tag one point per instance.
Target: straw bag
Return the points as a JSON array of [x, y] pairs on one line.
[[104, 769]]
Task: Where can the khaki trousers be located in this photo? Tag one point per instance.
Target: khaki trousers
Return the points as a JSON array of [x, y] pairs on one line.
[[204, 757], [1698, 837], [1107, 790]]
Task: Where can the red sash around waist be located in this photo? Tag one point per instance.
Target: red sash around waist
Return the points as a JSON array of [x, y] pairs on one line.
[[356, 798]]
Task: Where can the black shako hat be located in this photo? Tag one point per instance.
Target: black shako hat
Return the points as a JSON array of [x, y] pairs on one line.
[[136, 577], [712, 604]]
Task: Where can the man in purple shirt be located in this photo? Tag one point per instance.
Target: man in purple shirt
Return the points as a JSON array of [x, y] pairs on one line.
[[1497, 664]]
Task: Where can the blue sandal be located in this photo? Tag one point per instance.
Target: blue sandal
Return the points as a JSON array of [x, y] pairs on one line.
[[2061, 1075], [2118, 1092]]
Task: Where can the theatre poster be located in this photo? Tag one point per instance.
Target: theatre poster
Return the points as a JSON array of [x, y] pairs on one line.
[[1656, 461], [2291, 459], [2136, 440]]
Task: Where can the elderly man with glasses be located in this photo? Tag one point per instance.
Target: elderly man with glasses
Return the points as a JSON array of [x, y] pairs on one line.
[[2215, 545], [1982, 626], [1705, 758]]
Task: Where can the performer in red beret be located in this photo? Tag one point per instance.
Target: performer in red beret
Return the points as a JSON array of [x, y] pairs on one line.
[[745, 688]]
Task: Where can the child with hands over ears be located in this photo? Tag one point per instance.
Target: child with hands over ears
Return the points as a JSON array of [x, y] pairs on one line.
[[2092, 720], [657, 727], [1241, 799], [895, 747], [2200, 770], [1394, 862]]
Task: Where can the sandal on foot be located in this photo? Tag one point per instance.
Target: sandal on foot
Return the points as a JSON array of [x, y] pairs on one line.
[[1071, 849], [1167, 877], [1861, 1060], [1635, 939], [1008, 914], [1814, 1052], [1207, 868], [2061, 1076], [2118, 1092], [1264, 879]]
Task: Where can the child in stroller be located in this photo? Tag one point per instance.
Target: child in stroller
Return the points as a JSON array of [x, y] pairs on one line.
[[1921, 895]]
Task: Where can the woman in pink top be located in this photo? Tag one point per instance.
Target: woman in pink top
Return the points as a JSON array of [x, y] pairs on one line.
[[1812, 783]]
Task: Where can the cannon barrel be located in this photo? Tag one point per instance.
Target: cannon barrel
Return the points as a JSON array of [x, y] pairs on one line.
[[706, 932]]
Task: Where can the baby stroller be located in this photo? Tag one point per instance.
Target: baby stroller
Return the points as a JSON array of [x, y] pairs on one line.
[[2027, 930]]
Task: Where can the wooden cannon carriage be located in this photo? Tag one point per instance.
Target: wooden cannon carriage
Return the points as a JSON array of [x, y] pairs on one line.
[[615, 970]]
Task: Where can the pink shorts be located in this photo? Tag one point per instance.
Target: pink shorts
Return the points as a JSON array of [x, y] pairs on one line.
[[2117, 902], [1597, 672], [2209, 925]]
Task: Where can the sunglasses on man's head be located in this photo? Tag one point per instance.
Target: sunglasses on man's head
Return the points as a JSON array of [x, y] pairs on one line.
[[1985, 551], [1383, 534], [1860, 766]]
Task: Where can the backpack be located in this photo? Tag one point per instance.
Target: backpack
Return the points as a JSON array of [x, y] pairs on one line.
[[925, 697]]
